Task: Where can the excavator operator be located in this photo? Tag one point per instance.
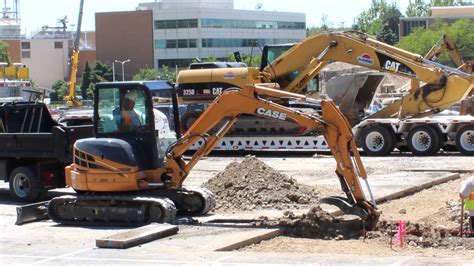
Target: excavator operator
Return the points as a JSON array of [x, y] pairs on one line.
[[126, 117]]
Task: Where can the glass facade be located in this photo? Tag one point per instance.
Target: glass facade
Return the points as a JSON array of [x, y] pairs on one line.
[[180, 43], [410, 26], [176, 24], [228, 24], [251, 24], [218, 43], [243, 42]]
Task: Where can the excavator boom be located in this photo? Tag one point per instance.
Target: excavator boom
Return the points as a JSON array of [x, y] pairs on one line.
[[249, 100], [444, 85]]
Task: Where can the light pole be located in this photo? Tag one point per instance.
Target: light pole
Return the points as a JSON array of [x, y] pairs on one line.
[[113, 71], [123, 63]]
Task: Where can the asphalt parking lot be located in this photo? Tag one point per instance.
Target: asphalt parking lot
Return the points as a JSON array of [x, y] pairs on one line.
[[47, 243]]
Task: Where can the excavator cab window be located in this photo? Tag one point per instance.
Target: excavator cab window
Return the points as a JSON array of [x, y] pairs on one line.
[[125, 111], [122, 110], [272, 52]]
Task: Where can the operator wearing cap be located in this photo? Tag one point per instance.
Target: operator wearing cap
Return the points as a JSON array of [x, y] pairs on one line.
[[126, 118]]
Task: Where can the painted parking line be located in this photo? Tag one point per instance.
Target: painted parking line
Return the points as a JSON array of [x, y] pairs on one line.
[[64, 255]]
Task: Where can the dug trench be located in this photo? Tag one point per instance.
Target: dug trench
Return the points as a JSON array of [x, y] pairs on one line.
[[251, 185]]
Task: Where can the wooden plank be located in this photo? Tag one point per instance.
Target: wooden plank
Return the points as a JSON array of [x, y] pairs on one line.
[[137, 236], [248, 238]]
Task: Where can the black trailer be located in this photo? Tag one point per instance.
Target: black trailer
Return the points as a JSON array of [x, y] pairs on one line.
[[34, 149]]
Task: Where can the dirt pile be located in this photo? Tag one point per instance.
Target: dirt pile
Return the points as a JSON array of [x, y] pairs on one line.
[[318, 223], [253, 185]]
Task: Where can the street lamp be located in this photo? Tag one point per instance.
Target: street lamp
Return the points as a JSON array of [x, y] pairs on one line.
[[123, 72]]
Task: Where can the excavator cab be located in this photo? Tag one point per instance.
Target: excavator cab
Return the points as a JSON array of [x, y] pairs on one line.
[[124, 111]]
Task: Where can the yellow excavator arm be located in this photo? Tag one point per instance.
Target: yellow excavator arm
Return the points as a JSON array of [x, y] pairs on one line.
[[443, 86], [233, 103], [71, 99], [434, 86]]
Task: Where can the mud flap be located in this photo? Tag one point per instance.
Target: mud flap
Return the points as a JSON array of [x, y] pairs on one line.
[[32, 212]]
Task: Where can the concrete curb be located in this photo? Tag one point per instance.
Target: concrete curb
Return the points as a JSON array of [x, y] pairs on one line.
[[254, 239], [414, 189]]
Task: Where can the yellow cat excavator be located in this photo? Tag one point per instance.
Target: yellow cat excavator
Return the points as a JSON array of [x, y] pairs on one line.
[[434, 87], [120, 178]]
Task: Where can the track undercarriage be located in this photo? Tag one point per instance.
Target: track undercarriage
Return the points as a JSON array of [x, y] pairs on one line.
[[120, 209]]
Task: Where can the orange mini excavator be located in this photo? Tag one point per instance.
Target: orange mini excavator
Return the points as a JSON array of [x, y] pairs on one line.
[[121, 179]]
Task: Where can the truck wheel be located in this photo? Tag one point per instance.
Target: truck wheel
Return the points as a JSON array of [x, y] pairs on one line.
[[465, 140], [25, 185], [377, 141], [424, 141]]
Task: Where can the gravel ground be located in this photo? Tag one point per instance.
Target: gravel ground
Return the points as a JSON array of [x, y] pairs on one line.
[[434, 212]]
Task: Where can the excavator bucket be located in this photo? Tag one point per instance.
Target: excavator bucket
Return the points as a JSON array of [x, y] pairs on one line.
[[354, 92]]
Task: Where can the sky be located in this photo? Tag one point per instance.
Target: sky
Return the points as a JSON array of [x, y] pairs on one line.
[[36, 13]]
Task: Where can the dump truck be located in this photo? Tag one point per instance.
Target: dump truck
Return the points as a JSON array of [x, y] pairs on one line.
[[34, 149]]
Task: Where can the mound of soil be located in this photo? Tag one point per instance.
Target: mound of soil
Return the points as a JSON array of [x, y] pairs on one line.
[[253, 185], [318, 223]]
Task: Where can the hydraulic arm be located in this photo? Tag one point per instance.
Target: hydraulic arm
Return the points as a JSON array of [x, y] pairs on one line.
[[233, 103], [443, 86], [445, 43]]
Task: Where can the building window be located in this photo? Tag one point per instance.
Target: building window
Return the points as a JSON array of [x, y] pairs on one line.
[[160, 44], [25, 45], [181, 43], [183, 23], [170, 43], [58, 45], [159, 24], [170, 24], [25, 54], [176, 24], [251, 24], [243, 42], [193, 23]]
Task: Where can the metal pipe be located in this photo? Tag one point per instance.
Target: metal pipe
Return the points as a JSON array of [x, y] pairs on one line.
[[457, 71], [370, 193]]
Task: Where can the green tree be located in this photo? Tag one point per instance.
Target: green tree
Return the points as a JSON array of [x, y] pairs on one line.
[[313, 31], [379, 16], [59, 90], [146, 74], [386, 35], [101, 72], [167, 74], [86, 80], [325, 24], [253, 61], [4, 55], [421, 40], [418, 8]]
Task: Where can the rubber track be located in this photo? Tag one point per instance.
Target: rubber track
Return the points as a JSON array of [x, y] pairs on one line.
[[166, 205], [206, 196]]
